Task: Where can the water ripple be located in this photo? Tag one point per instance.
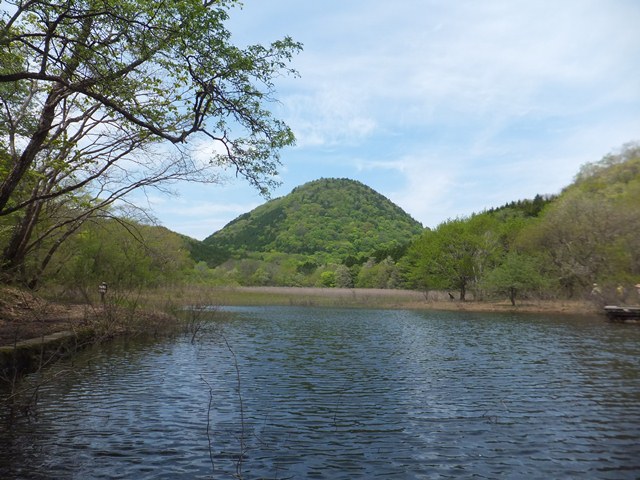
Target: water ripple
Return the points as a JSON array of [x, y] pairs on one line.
[[344, 394]]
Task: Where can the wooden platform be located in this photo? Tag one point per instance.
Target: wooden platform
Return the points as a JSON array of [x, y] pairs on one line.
[[616, 313]]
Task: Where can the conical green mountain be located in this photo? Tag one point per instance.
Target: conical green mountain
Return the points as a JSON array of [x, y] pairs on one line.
[[339, 217]]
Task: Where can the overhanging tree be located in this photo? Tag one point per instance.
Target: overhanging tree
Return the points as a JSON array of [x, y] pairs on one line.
[[99, 97]]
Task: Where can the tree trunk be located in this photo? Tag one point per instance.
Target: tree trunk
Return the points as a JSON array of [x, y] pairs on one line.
[[22, 164], [47, 116], [512, 296], [16, 250]]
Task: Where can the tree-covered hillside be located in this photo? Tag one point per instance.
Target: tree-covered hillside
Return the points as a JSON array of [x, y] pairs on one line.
[[339, 217], [341, 233], [551, 246], [590, 234]]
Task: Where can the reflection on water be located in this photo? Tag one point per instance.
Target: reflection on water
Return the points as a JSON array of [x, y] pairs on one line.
[[342, 394]]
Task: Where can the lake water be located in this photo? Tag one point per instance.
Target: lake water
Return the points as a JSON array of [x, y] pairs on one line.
[[310, 393]]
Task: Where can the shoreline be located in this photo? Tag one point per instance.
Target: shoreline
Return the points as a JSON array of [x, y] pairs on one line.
[[32, 329], [26, 317], [380, 298]]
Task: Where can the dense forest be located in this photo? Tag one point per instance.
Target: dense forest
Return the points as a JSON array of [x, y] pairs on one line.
[[97, 103], [341, 233], [551, 246], [321, 233], [339, 218]]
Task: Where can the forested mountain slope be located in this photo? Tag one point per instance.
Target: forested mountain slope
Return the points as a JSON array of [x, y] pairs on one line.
[[341, 217], [555, 246]]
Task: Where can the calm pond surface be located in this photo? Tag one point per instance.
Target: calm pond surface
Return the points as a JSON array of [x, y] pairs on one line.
[[310, 393]]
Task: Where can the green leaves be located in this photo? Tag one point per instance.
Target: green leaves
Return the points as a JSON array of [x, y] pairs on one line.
[[516, 274], [320, 217], [556, 246], [124, 254], [590, 233], [88, 90], [167, 68]]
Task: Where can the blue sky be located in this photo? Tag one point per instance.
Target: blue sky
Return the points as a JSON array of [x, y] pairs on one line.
[[444, 107]]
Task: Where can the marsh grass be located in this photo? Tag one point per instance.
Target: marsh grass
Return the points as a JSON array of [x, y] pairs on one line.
[[291, 296], [348, 298]]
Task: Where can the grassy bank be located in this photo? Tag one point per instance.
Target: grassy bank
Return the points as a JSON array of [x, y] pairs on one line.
[[285, 296], [355, 298]]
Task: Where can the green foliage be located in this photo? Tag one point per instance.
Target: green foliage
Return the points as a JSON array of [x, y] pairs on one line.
[[528, 208], [384, 274], [88, 91], [587, 234], [551, 245], [125, 255], [343, 277], [617, 174], [328, 279], [165, 70], [255, 269], [590, 234], [210, 255], [307, 267], [454, 255], [339, 217], [319, 234], [516, 274]]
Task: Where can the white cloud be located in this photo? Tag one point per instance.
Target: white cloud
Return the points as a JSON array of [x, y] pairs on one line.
[[328, 116], [428, 193], [199, 219], [199, 209], [473, 58], [203, 150], [450, 107], [199, 228], [425, 192]]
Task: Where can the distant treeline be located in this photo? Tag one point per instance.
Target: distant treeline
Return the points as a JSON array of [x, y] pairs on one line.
[[340, 233]]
